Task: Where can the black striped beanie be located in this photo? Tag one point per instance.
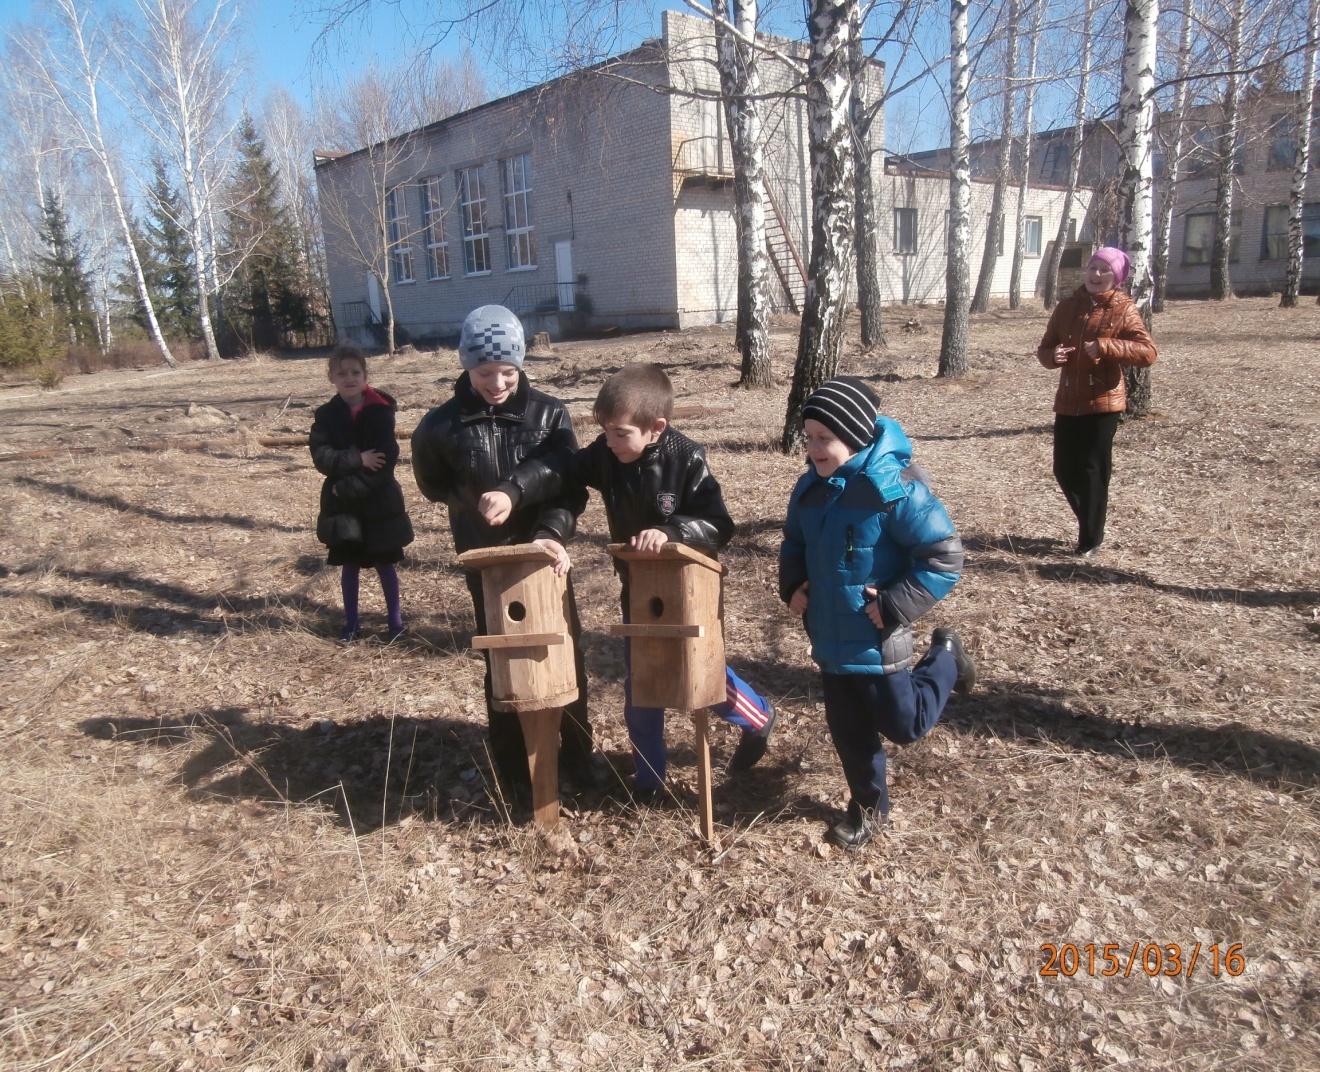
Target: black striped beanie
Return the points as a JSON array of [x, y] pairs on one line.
[[847, 407]]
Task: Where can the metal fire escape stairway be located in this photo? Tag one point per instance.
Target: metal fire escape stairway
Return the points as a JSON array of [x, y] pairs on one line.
[[783, 255]]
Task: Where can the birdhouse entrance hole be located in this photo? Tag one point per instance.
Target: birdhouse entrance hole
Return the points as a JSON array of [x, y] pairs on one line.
[[657, 606], [517, 612]]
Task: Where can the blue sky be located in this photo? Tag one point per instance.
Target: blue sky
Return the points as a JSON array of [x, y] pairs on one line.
[[284, 45]]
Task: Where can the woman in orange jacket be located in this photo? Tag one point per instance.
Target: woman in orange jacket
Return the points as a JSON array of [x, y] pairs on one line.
[[1091, 335]]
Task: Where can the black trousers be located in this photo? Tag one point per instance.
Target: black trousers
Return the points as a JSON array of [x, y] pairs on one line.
[[508, 753], [1083, 461]]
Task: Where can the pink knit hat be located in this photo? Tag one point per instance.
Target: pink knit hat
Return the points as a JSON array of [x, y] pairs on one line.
[[1116, 259]]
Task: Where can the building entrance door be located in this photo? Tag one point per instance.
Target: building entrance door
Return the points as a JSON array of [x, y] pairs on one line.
[[564, 282]]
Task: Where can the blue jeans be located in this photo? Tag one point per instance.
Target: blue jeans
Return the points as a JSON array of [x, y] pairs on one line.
[[743, 708], [862, 710]]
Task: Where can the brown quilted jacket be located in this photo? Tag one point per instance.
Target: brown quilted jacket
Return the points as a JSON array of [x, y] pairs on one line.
[[1113, 321]]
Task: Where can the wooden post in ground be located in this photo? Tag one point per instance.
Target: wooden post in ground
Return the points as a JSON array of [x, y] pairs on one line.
[[530, 648], [677, 636]]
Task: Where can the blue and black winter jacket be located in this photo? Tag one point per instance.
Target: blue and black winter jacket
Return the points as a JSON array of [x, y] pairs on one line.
[[873, 522]]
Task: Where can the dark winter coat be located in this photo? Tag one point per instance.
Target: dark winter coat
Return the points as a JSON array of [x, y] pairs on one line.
[[872, 523], [1114, 323], [465, 448], [361, 512], [670, 488]]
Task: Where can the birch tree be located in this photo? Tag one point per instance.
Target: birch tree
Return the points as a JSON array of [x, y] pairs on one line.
[[1136, 104], [70, 71], [184, 78], [830, 25], [994, 229], [1074, 157], [740, 88], [1024, 179], [1173, 157], [1220, 284], [1301, 160], [957, 286], [867, 227]]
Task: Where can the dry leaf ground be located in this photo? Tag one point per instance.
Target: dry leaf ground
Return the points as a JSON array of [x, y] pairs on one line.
[[230, 844]]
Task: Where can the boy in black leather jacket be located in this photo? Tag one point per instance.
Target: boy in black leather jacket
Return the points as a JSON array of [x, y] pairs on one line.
[[491, 446], [658, 488]]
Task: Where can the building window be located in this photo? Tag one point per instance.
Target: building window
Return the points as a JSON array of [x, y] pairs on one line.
[[518, 212], [1283, 143], [1274, 235], [1199, 237], [905, 230], [396, 225], [1054, 164], [1032, 235], [433, 228], [476, 235]]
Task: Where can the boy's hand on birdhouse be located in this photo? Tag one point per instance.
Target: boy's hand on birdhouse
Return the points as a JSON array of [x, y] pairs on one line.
[[648, 540], [372, 460], [872, 607], [495, 507], [562, 562], [797, 602]]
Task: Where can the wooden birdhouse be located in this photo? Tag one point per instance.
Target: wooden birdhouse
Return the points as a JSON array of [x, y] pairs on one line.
[[674, 622], [530, 648], [526, 627]]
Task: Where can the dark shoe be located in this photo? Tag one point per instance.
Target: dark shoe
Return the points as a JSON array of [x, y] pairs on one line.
[[651, 797], [1086, 549], [348, 634], [856, 828], [752, 745], [394, 634], [589, 775], [949, 640]]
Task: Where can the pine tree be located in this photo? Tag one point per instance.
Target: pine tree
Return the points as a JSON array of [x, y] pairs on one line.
[[62, 274], [266, 298], [175, 283]]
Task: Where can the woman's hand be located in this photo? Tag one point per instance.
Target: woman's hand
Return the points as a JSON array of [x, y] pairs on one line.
[[1092, 350], [1062, 354], [797, 602], [372, 460]]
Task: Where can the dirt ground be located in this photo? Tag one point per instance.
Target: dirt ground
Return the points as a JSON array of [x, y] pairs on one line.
[[229, 843]]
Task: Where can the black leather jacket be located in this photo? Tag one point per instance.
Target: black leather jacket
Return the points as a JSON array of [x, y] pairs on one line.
[[670, 487], [465, 448]]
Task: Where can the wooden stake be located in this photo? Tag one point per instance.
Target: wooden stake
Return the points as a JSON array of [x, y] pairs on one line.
[[541, 735], [706, 812]]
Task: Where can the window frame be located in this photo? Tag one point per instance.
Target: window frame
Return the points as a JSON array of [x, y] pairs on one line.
[[519, 237], [1234, 237], [476, 228], [1027, 221], [901, 213], [431, 195], [399, 249]]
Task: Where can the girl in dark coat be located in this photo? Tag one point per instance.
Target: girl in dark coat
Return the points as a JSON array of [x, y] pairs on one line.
[[363, 520]]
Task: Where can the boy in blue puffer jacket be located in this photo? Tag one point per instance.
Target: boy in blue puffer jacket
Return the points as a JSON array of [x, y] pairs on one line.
[[867, 550]]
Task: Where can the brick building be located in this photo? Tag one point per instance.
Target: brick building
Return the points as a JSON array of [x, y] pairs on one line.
[[604, 197]]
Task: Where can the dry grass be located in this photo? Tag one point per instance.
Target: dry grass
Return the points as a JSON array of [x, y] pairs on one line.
[[228, 844]]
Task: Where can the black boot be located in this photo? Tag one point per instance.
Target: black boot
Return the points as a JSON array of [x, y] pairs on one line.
[[752, 746], [950, 641], [856, 828]]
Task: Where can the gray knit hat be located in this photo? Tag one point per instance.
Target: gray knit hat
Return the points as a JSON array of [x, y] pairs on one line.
[[491, 333], [847, 407]]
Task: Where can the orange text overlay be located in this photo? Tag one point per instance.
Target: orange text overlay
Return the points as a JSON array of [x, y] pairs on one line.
[[1145, 958]]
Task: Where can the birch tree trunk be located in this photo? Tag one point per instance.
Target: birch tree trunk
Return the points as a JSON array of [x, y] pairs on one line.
[[740, 83], [869, 293], [1024, 181], [1221, 285], [1301, 162], [995, 225], [1173, 167], [82, 107], [957, 287], [1074, 158], [1136, 104], [829, 23]]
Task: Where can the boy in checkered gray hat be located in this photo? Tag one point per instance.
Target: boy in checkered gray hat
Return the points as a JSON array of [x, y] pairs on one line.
[[487, 454], [867, 550]]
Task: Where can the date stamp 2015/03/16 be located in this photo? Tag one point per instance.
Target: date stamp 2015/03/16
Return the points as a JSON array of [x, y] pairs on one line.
[[1149, 958]]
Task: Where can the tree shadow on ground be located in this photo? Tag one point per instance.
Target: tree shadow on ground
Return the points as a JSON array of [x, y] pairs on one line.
[[1089, 571], [114, 502], [987, 433]]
